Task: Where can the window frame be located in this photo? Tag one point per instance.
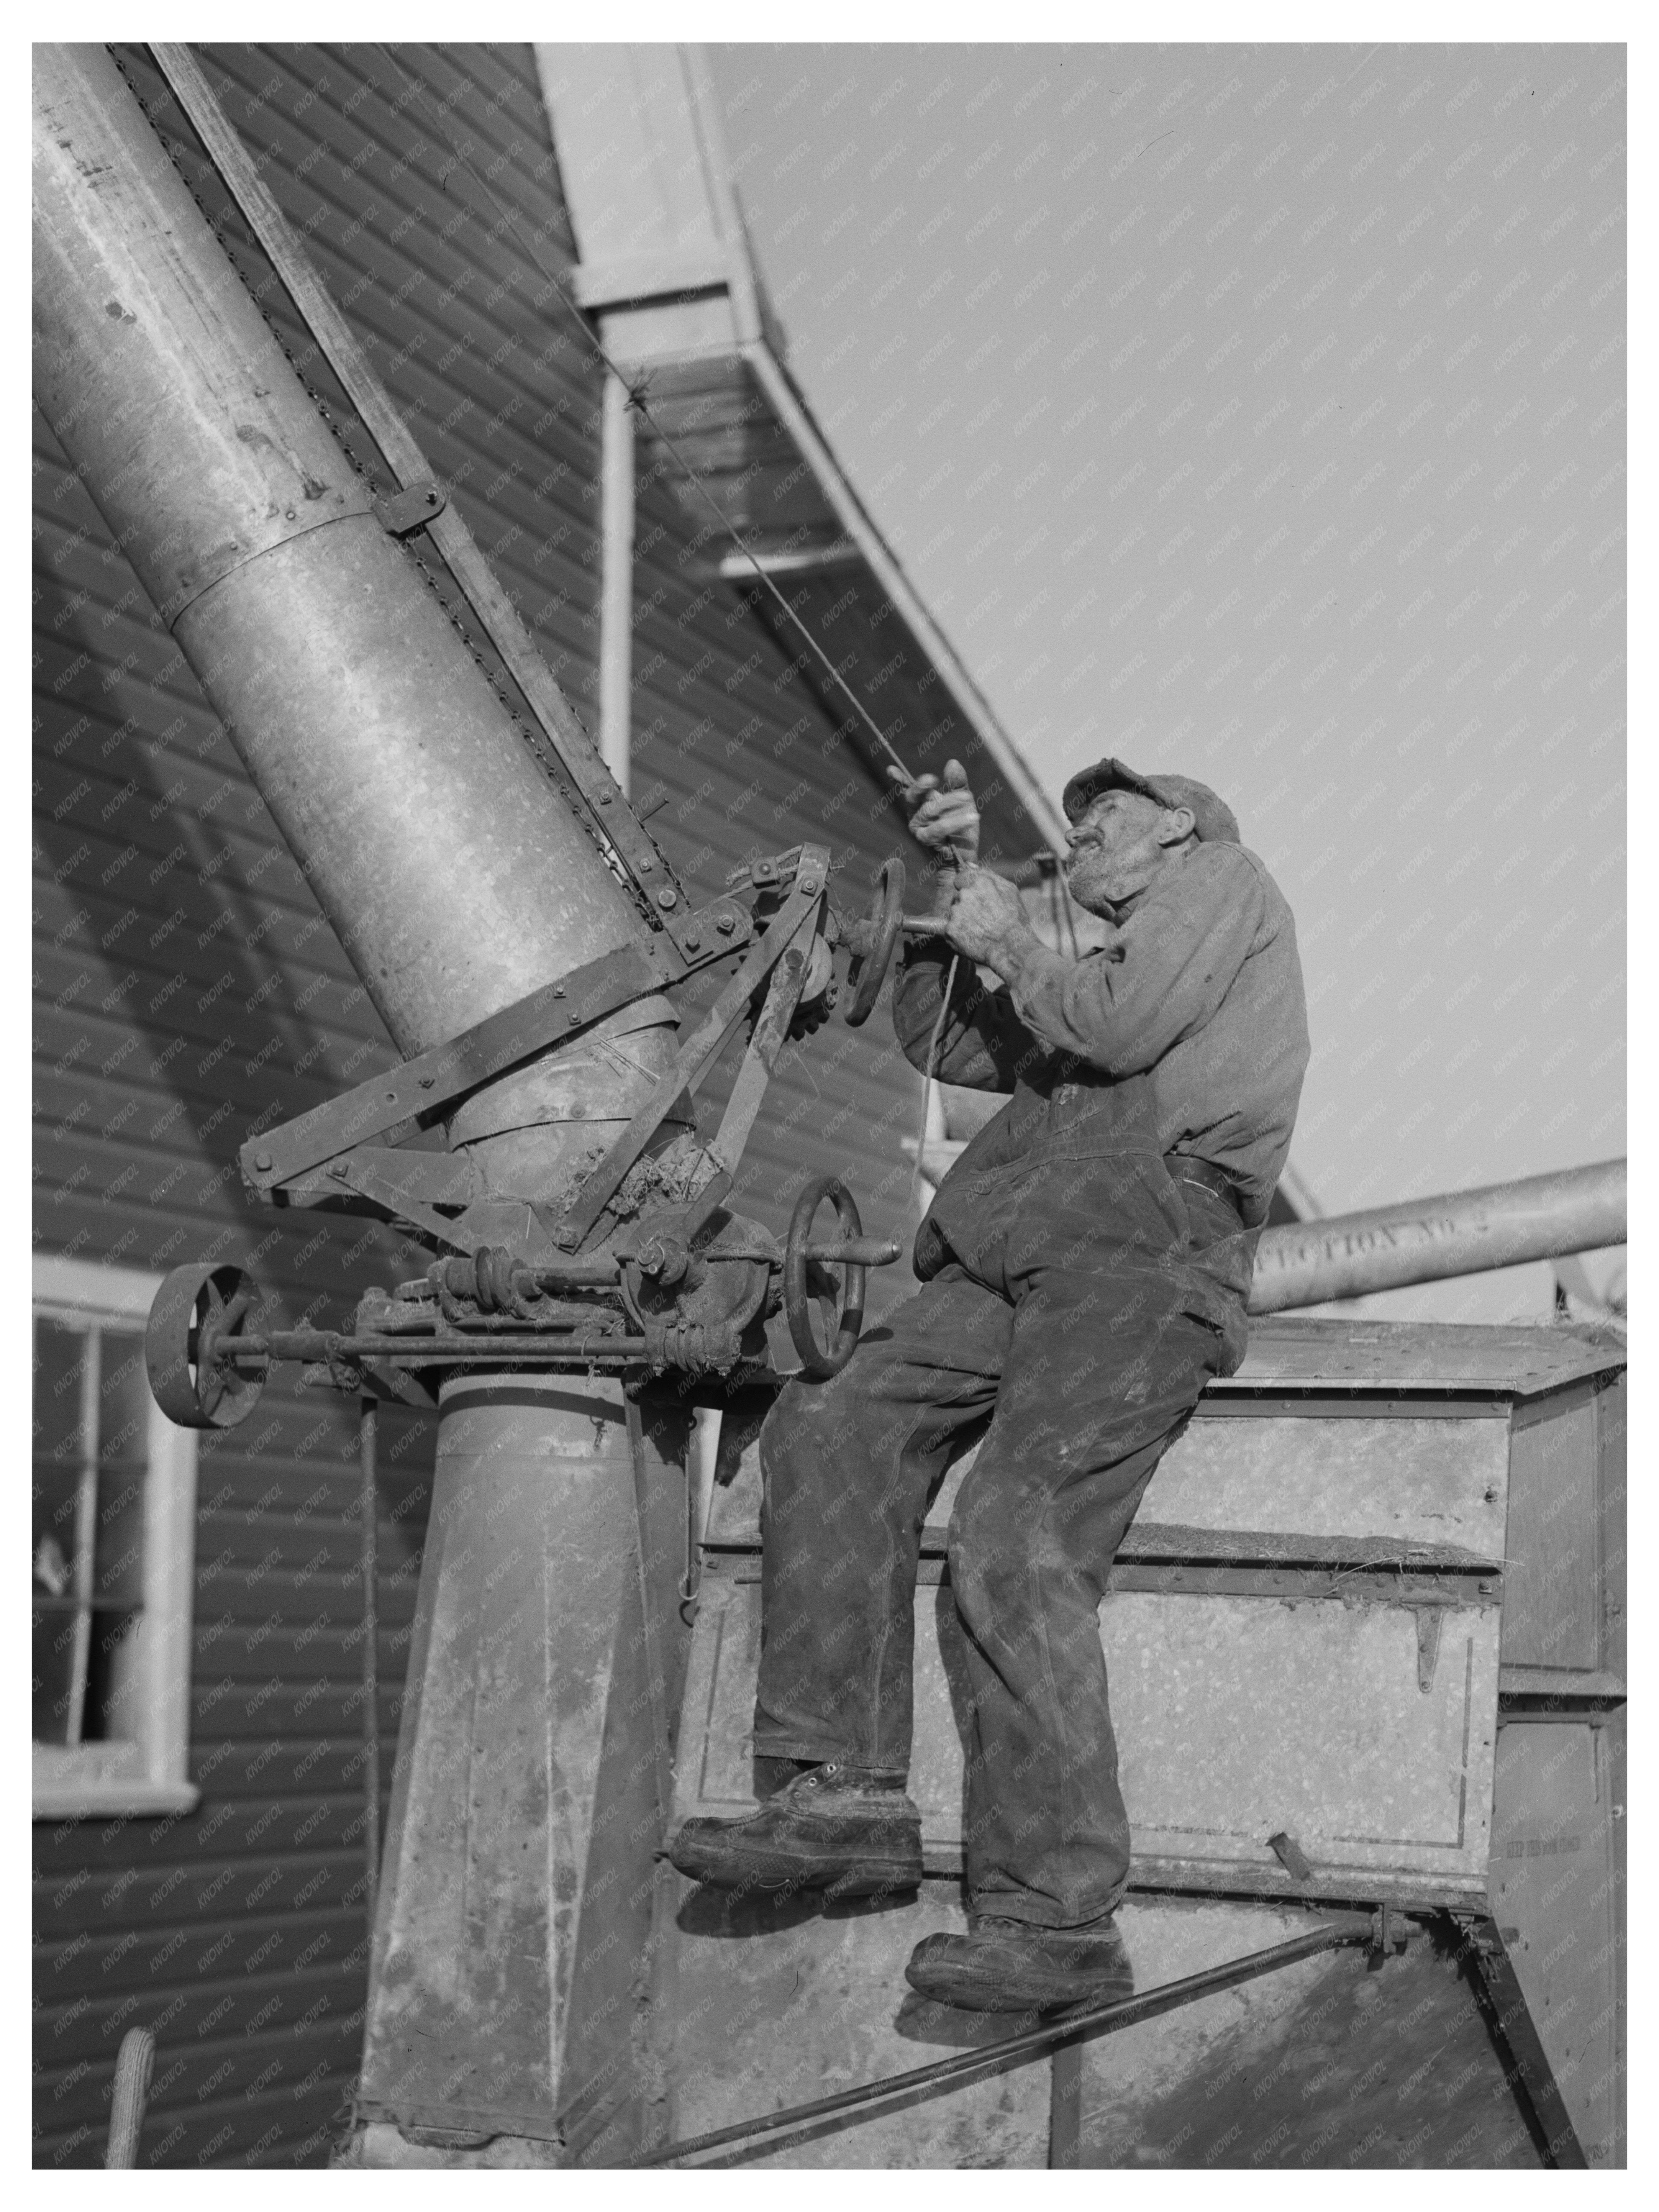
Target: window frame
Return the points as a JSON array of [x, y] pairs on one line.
[[90, 1781]]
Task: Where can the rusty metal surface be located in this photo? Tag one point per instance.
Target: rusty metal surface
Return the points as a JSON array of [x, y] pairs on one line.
[[1236, 1717]]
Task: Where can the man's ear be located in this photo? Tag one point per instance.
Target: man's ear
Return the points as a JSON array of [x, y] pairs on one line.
[[1177, 826]]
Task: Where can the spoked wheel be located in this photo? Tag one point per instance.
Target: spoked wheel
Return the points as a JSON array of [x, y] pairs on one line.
[[195, 1320], [807, 1277], [871, 941]]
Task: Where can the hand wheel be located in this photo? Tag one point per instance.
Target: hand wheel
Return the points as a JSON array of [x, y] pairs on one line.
[[815, 1363], [871, 942], [194, 1319]]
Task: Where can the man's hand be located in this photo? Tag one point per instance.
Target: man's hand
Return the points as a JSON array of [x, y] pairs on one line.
[[943, 814], [987, 920]]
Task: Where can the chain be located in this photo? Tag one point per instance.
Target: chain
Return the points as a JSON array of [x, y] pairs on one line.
[[533, 740]]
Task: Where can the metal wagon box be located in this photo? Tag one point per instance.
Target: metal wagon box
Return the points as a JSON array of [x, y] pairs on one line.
[[1365, 1642]]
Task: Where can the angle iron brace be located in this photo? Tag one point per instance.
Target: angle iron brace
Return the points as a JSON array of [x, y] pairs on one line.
[[630, 1275]]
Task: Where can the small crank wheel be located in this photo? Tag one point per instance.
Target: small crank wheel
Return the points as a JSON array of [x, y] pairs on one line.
[[195, 1321], [873, 941], [798, 1289]]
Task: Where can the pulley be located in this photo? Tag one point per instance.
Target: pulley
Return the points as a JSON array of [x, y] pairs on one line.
[[806, 1277], [196, 1319], [871, 941]]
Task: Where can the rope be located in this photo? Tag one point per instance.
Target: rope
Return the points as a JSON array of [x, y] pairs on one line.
[[637, 392], [636, 399], [929, 1073]]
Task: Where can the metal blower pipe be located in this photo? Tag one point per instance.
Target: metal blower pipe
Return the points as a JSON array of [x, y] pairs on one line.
[[454, 875], [458, 881], [1428, 1239]]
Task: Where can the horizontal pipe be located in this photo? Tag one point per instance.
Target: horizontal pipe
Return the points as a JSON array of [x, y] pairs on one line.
[[455, 1350], [1426, 1240]]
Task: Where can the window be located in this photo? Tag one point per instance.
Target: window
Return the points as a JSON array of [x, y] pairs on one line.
[[114, 1533]]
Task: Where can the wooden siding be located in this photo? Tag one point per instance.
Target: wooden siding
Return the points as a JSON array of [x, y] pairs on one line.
[[185, 984], [186, 987]]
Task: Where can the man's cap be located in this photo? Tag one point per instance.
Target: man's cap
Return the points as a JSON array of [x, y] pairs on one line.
[[1213, 817]]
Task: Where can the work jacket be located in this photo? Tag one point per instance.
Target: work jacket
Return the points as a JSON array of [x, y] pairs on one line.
[[1184, 1035]]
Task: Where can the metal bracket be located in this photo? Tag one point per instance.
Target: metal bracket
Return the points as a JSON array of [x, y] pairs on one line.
[[804, 905], [1389, 1931], [1488, 1952], [329, 1153], [411, 508], [1291, 1856], [1430, 1619], [359, 1173], [422, 1086]]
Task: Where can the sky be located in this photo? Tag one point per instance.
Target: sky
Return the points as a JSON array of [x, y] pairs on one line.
[[1259, 413]]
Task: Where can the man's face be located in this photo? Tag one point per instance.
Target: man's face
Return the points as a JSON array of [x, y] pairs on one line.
[[1117, 847]]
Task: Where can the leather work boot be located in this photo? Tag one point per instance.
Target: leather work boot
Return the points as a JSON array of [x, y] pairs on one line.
[[1011, 1965], [829, 1830]]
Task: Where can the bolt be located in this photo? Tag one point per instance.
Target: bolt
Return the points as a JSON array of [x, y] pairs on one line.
[[666, 897], [725, 923], [338, 1170], [693, 939], [261, 1161], [605, 798], [427, 1082]]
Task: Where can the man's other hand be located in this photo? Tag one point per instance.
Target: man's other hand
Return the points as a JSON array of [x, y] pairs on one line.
[[943, 814], [988, 918]]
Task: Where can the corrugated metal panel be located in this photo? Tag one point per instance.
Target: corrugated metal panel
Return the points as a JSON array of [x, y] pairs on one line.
[[186, 985]]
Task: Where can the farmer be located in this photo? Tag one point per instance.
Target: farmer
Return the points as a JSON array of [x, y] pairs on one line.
[[1086, 1266]]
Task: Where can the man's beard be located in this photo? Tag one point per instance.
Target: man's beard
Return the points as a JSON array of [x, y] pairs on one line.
[[1085, 881]]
